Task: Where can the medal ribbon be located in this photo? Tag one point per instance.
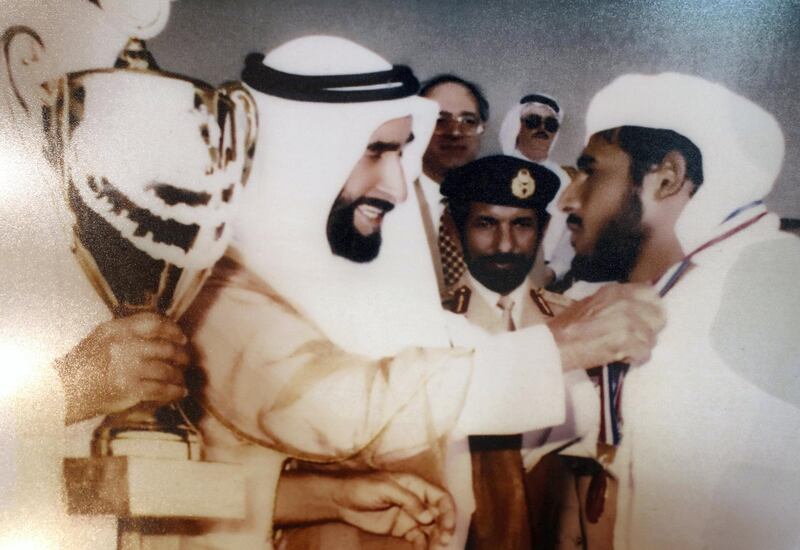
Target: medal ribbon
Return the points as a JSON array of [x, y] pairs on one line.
[[614, 373], [612, 377]]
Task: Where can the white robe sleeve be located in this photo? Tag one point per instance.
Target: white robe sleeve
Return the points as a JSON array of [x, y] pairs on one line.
[[517, 383], [275, 379]]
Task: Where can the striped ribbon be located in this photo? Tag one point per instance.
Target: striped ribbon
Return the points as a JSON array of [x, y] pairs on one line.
[[613, 375]]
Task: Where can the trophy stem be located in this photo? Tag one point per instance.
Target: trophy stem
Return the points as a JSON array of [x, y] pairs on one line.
[[149, 431]]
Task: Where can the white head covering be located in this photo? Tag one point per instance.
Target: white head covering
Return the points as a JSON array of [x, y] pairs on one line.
[[509, 129], [306, 151], [742, 144]]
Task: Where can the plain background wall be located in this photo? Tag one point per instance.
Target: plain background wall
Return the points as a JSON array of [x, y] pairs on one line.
[[567, 49]]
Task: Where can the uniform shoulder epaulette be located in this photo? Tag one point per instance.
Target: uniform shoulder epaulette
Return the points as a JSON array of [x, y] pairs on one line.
[[457, 300], [550, 303]]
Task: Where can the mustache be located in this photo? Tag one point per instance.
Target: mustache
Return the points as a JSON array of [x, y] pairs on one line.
[[451, 137], [502, 280], [386, 206], [573, 219], [504, 258]]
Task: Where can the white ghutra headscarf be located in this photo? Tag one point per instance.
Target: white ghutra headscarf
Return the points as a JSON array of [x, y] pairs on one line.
[[555, 248], [509, 129], [741, 143], [319, 99]]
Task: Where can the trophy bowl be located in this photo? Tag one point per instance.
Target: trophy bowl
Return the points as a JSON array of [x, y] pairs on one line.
[[152, 165]]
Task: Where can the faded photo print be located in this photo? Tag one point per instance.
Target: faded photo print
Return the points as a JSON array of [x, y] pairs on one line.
[[399, 275]]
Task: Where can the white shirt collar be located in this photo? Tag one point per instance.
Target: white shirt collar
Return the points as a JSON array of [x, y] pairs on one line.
[[433, 196], [517, 295]]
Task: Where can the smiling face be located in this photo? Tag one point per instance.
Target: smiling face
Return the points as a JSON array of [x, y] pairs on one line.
[[453, 144], [500, 244], [604, 210], [536, 132], [376, 184]]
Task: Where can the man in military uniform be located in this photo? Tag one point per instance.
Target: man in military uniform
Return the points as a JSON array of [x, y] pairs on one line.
[[499, 210], [498, 205]]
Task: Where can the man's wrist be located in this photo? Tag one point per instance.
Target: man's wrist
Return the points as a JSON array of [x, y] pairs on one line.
[[307, 498]]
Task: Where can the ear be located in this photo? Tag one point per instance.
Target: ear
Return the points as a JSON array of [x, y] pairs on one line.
[[670, 175], [24, 58]]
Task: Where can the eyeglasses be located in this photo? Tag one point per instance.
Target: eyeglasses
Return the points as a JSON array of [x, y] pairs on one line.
[[532, 122], [468, 125]]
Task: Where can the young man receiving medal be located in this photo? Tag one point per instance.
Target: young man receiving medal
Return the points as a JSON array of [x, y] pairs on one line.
[[669, 191]]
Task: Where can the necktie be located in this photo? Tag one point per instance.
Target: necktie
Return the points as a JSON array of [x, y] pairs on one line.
[[453, 266], [500, 521], [506, 304]]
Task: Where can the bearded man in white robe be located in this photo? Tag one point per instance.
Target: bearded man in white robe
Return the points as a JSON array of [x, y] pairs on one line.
[[670, 190]]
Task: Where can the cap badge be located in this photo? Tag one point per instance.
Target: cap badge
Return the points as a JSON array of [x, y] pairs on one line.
[[523, 185]]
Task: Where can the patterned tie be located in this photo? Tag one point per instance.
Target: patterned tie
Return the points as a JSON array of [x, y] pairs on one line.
[[506, 304], [453, 266]]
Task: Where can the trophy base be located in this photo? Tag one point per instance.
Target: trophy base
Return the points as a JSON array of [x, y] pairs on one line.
[[136, 487], [143, 435]]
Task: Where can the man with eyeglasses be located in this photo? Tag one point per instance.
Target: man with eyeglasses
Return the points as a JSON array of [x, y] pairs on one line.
[[456, 141], [529, 131], [463, 113]]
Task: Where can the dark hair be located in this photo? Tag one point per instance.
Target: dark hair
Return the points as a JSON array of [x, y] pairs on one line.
[[649, 146], [474, 90], [459, 211]]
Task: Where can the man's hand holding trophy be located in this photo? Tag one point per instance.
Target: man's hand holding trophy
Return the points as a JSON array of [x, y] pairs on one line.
[[123, 362]]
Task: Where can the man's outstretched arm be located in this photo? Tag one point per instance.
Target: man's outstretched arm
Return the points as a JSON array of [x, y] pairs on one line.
[[276, 379]]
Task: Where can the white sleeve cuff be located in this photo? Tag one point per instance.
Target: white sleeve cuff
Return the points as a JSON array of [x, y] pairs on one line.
[[517, 384]]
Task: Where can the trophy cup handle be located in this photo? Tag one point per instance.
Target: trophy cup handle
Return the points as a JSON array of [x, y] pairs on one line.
[[32, 100], [245, 124], [24, 59]]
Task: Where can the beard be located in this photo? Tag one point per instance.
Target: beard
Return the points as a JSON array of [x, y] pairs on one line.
[[344, 238], [617, 247], [501, 281]]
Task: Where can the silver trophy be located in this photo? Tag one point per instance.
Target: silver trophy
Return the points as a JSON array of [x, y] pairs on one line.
[[153, 165]]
